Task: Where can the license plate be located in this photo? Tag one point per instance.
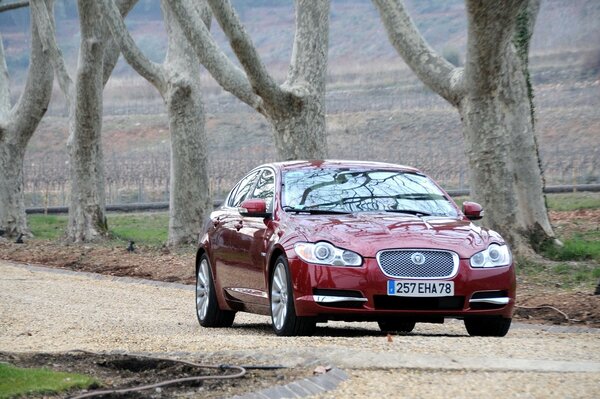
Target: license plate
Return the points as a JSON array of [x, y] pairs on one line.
[[420, 288]]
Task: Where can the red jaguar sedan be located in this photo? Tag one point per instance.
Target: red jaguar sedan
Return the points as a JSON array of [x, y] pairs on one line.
[[310, 241]]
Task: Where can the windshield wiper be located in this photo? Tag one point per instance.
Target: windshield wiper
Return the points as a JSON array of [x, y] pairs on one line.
[[409, 211], [314, 211]]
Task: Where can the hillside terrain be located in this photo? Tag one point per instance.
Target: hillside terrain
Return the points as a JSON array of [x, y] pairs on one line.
[[377, 108]]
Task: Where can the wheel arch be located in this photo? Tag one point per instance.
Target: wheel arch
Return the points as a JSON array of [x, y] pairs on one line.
[[275, 254]]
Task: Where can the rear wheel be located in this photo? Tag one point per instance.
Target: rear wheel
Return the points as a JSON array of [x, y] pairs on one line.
[[207, 308], [396, 325], [487, 326], [283, 312]]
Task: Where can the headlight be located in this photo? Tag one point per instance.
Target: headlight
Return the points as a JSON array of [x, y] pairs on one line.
[[323, 253], [494, 256]]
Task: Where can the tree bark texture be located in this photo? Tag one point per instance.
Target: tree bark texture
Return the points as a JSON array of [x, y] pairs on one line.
[[299, 122], [190, 200], [296, 108], [17, 126], [178, 82], [98, 55], [87, 220], [493, 101]]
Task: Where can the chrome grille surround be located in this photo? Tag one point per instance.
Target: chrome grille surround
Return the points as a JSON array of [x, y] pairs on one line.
[[438, 264]]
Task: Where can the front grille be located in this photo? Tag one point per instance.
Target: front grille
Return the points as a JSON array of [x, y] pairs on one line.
[[399, 263]]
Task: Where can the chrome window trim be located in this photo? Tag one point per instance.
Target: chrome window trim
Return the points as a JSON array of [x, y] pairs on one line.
[[455, 260]]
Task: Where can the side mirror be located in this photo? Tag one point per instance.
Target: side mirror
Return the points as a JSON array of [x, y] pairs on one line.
[[255, 207], [472, 210]]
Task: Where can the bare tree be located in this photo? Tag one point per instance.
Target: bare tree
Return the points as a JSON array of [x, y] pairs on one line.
[[97, 58], [17, 125], [178, 81], [296, 108], [492, 98]]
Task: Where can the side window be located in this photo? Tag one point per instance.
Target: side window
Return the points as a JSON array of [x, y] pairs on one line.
[[239, 193], [265, 188]]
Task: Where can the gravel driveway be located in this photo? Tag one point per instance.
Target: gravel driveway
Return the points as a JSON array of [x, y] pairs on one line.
[[45, 310]]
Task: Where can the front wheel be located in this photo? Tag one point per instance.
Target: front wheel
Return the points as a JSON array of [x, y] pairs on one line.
[[487, 326], [207, 308], [283, 312]]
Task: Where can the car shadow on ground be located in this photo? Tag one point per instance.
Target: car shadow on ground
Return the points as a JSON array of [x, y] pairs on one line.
[[324, 330]]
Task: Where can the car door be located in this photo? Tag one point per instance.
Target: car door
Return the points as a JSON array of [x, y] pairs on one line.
[[250, 237], [225, 246]]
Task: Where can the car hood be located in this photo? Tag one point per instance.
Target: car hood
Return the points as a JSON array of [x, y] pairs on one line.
[[368, 233]]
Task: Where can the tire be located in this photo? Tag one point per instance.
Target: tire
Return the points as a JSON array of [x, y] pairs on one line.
[[488, 326], [207, 308], [405, 326], [283, 312]]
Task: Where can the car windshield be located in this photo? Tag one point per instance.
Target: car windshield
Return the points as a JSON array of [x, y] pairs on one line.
[[349, 190]]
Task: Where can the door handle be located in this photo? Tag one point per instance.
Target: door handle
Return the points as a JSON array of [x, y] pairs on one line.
[[238, 225]]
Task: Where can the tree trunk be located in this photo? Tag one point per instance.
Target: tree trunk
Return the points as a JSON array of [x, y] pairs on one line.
[[529, 181], [497, 118], [87, 220], [299, 132], [491, 180], [190, 199], [493, 98], [17, 125], [12, 206], [532, 215], [296, 109]]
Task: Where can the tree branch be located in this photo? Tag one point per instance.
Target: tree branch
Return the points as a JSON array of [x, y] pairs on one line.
[[13, 6], [4, 86], [112, 49], [311, 45], [47, 36], [149, 70], [437, 73], [229, 76], [264, 85], [35, 97]]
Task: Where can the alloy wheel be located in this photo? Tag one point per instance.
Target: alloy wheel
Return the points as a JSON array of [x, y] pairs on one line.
[[202, 290], [279, 296]]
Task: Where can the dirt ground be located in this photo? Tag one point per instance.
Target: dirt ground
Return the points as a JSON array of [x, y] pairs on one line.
[[116, 371], [536, 303]]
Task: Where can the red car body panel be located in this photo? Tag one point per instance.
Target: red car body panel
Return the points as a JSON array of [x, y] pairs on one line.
[[242, 250]]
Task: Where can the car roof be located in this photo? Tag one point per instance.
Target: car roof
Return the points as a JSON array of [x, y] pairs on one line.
[[332, 163]]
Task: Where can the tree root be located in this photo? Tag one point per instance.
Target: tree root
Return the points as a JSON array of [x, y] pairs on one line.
[[566, 316]]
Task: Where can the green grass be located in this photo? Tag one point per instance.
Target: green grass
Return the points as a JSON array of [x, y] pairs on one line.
[[578, 247], [146, 228], [16, 381], [143, 228], [47, 227], [563, 275], [573, 201]]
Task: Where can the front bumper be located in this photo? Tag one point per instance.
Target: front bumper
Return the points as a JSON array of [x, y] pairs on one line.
[[360, 293]]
